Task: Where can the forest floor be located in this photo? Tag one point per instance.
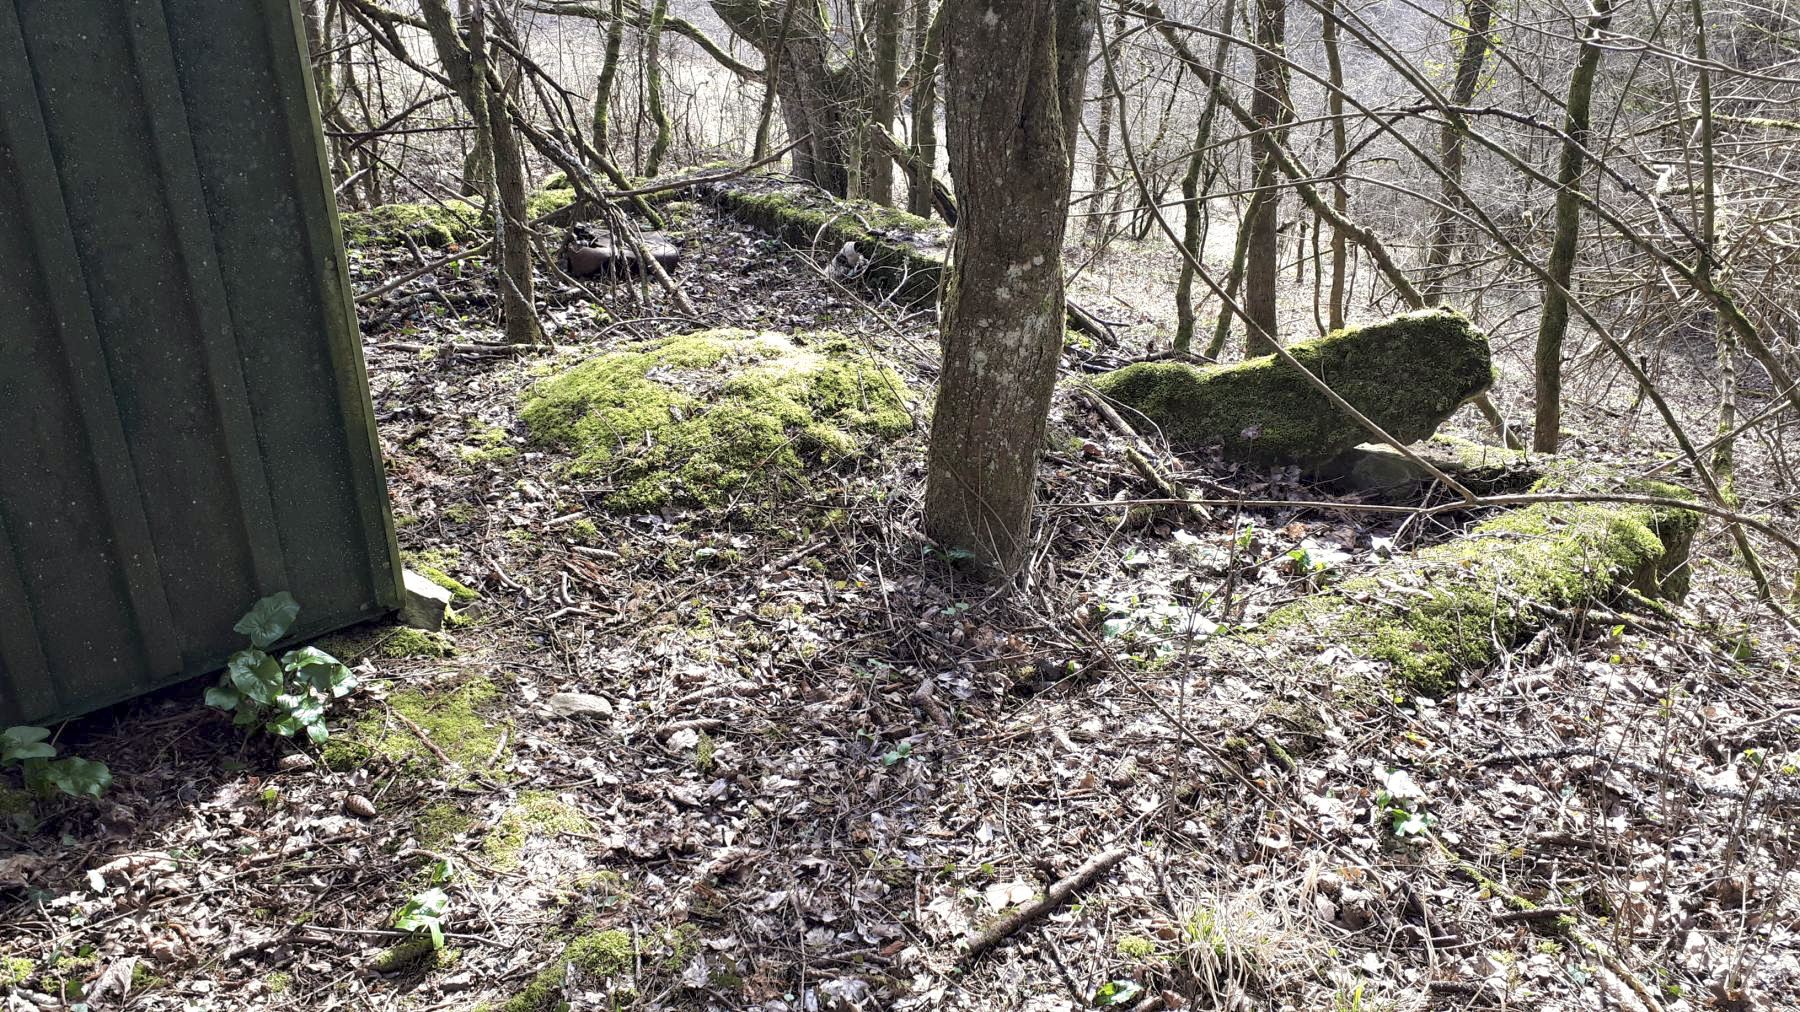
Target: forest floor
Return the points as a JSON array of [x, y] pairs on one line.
[[821, 758]]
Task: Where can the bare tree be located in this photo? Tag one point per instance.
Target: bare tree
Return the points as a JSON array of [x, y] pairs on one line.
[[1554, 323], [1268, 106]]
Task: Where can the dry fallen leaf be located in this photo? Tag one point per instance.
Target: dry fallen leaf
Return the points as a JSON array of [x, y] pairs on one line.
[[1001, 895]]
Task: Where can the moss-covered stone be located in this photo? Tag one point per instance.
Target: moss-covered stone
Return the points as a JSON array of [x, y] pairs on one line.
[[1451, 607], [906, 253], [430, 565], [703, 417], [536, 813], [1407, 374], [438, 225]]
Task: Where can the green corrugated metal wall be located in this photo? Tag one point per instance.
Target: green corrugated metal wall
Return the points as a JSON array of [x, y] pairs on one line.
[[184, 417]]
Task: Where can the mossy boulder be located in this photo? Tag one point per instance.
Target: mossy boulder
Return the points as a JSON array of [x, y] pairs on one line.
[[436, 225], [1453, 607], [1407, 374], [721, 414], [906, 253]]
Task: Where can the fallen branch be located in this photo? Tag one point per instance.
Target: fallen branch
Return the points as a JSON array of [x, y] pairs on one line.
[[981, 941]]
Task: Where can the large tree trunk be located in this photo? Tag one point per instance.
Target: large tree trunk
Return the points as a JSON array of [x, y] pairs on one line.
[[1450, 147], [1014, 75], [1554, 324], [466, 68], [818, 101], [1269, 108]]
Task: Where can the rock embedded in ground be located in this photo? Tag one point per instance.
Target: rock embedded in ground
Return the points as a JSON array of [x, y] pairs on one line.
[[1407, 374], [579, 704], [718, 416]]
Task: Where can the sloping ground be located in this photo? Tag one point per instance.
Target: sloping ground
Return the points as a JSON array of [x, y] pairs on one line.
[[814, 760]]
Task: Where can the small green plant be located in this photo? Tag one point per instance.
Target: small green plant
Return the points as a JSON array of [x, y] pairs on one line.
[[287, 696], [30, 750], [1402, 801], [1118, 994], [424, 912], [897, 753]]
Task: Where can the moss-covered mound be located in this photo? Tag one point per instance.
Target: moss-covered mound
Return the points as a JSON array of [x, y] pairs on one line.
[[548, 200], [905, 252], [703, 418], [1453, 607], [1407, 374], [437, 225]]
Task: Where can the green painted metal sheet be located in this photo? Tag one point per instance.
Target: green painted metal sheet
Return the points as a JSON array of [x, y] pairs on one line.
[[185, 422]]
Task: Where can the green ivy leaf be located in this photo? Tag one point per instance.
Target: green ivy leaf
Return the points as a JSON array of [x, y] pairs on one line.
[[269, 619]]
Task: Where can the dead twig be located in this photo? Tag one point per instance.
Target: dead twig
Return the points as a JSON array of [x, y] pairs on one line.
[[981, 941]]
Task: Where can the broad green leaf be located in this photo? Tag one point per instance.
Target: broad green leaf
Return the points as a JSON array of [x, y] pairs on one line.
[[25, 742], [223, 697], [255, 674], [297, 661], [269, 619], [78, 777], [24, 734]]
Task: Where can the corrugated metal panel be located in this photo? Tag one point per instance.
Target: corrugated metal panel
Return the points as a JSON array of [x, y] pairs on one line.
[[184, 418]]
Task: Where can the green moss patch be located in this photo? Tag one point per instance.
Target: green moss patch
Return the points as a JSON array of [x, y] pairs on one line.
[[600, 958], [701, 418], [1407, 374], [624, 967], [414, 955], [548, 201], [452, 718], [437, 225], [1451, 607], [906, 253], [406, 642], [537, 813], [16, 970]]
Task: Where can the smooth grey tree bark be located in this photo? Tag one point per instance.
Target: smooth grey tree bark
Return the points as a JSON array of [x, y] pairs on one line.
[[1014, 78]]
